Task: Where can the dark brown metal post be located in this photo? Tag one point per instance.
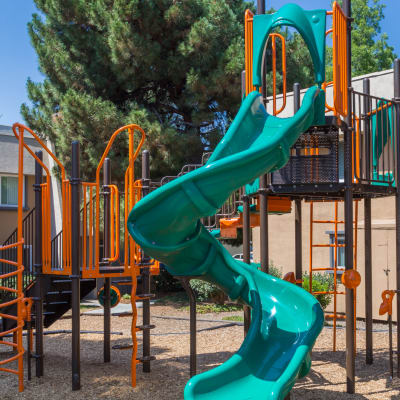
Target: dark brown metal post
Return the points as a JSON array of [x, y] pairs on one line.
[[246, 253], [298, 243], [369, 357], [264, 249], [193, 317], [397, 141], [106, 255], [75, 266], [243, 84], [38, 268], [145, 271], [348, 215]]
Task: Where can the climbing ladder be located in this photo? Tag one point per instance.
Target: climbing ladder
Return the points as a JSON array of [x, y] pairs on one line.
[[335, 269]]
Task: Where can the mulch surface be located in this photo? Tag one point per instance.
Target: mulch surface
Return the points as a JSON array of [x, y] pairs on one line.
[[170, 372]]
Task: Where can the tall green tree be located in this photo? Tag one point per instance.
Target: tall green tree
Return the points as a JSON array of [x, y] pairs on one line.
[[171, 66], [371, 51]]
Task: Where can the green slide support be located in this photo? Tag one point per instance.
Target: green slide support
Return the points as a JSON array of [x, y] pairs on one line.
[[286, 320]]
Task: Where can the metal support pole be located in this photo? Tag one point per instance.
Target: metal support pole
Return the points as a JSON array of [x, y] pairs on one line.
[[397, 140], [348, 215], [75, 266], [106, 255], [264, 249], [243, 84], [145, 271], [193, 338], [296, 97], [38, 267], [298, 244], [246, 253], [369, 358]]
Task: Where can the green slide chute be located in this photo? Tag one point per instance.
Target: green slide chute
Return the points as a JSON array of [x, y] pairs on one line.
[[286, 320]]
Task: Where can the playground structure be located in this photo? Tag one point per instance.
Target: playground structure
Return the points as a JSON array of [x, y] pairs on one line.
[[68, 264], [263, 162]]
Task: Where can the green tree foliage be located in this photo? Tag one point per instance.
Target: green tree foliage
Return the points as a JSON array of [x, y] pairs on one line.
[[370, 49], [171, 66]]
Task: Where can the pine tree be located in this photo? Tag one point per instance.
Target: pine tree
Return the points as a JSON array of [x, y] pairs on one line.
[[171, 66]]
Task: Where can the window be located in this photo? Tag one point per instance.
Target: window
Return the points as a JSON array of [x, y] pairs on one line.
[[340, 250], [9, 191]]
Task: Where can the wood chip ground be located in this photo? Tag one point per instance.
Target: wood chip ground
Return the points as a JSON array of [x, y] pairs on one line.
[[170, 372]]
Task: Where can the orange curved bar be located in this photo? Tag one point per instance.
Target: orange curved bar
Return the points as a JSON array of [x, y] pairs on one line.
[[128, 182], [46, 210], [37, 138], [282, 39]]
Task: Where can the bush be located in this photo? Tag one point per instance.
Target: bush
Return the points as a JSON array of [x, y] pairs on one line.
[[320, 283], [206, 291], [165, 282]]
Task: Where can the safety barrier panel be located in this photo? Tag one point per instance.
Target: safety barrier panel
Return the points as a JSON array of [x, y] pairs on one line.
[[340, 82]]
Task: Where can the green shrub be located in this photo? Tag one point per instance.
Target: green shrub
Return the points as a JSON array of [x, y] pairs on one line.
[[166, 283], [320, 283], [206, 291], [272, 269]]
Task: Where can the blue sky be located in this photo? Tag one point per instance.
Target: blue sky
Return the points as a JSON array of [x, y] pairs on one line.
[[19, 61]]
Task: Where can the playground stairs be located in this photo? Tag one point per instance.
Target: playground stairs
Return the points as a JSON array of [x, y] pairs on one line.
[[56, 299], [56, 288]]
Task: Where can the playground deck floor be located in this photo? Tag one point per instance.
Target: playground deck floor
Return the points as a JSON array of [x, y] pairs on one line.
[[170, 341]]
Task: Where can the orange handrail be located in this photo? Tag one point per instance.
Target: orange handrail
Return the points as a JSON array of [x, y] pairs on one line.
[[248, 55], [114, 200], [46, 205], [133, 153], [282, 39], [340, 81]]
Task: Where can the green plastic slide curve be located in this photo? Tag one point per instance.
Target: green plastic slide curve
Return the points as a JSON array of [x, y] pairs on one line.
[[286, 320]]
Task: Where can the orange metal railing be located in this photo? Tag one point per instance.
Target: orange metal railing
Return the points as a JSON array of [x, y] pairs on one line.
[[274, 36], [91, 212], [19, 300], [340, 82], [248, 34], [19, 130], [248, 55]]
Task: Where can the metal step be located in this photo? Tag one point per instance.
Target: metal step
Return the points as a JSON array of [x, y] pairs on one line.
[[112, 270], [55, 303], [59, 293]]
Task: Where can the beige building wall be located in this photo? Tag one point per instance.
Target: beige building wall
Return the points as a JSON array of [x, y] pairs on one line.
[[8, 218], [282, 251], [281, 228]]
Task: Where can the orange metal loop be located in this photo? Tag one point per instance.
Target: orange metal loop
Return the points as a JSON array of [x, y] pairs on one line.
[[282, 39]]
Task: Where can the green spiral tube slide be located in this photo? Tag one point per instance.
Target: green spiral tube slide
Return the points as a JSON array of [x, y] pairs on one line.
[[286, 320]]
